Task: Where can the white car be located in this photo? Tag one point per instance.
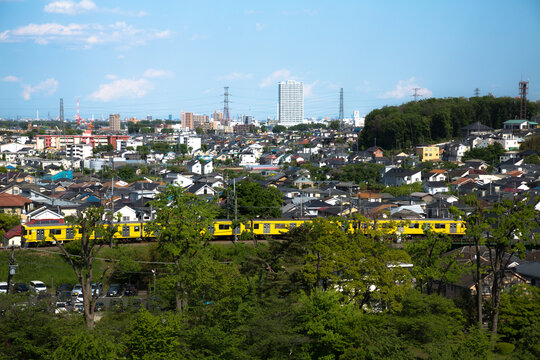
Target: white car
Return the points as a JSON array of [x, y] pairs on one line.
[[77, 289], [79, 298], [38, 286], [3, 287]]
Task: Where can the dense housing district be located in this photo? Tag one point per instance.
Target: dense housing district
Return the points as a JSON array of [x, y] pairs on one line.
[[310, 182]]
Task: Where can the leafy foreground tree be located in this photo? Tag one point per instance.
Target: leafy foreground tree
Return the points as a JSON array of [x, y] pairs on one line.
[[87, 345], [182, 226], [429, 264], [81, 254]]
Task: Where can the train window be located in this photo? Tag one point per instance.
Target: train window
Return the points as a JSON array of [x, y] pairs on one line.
[[414, 226], [24, 231], [280, 226], [440, 226], [137, 228], [256, 226], [55, 231], [224, 227]]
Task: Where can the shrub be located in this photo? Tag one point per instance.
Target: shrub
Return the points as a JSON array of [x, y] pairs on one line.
[[504, 348]]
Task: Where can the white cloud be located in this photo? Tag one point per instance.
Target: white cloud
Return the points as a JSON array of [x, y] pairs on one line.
[[47, 87], [234, 76], [153, 73], [111, 77], [69, 7], [308, 89], [87, 35], [10, 78], [405, 88], [122, 89], [260, 27], [276, 76], [196, 37]]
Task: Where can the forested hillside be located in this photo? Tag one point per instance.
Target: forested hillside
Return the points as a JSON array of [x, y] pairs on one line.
[[436, 119]]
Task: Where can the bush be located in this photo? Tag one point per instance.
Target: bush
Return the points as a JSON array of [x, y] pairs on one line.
[[504, 348]]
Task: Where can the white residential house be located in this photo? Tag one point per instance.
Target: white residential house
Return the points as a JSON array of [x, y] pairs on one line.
[[510, 143], [397, 177], [178, 179], [43, 213], [434, 187], [208, 167], [201, 189], [248, 158], [195, 167], [126, 214]]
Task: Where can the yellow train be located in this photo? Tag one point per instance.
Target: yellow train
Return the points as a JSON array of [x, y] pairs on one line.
[[222, 229]]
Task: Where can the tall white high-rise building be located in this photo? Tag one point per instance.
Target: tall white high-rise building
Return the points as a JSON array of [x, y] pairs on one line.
[[291, 102]]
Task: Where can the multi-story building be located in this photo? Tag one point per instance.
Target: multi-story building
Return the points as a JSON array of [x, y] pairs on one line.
[[428, 153], [61, 141], [291, 102], [187, 120], [218, 117], [114, 122], [80, 151], [193, 143]]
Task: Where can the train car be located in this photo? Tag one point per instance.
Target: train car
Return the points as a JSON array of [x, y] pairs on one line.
[[52, 231]]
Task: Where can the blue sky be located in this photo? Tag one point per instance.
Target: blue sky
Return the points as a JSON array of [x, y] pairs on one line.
[[160, 57]]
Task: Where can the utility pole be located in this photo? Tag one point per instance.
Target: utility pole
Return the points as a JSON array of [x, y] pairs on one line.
[[11, 268], [416, 94], [341, 108], [235, 212], [523, 89]]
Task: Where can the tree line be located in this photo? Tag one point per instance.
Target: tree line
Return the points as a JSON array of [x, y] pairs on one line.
[[397, 127]]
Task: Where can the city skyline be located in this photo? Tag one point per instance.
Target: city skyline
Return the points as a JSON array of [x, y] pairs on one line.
[[158, 58]]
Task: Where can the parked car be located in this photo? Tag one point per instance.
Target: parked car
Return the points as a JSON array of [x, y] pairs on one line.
[[114, 290], [78, 307], [61, 307], [38, 286], [130, 290], [77, 289], [97, 288], [100, 306], [3, 287], [63, 287], [21, 288], [79, 298]]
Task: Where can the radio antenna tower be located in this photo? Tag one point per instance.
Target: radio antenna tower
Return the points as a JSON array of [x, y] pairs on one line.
[[61, 110], [226, 109], [416, 94], [523, 88], [476, 92], [341, 104], [78, 117]]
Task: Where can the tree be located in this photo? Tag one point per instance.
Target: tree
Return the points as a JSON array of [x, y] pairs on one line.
[[532, 159], [254, 200], [153, 336], [429, 263], [87, 345], [94, 234], [334, 125], [490, 154], [510, 230], [278, 129], [520, 311], [199, 130], [182, 226], [8, 222], [361, 173]]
